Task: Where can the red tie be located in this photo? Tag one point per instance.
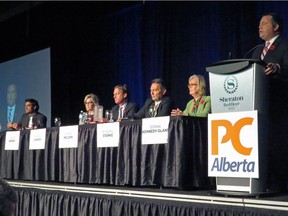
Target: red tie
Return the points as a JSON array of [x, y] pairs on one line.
[[265, 50]]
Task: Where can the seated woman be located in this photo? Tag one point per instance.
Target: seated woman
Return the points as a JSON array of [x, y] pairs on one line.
[[200, 105], [90, 101]]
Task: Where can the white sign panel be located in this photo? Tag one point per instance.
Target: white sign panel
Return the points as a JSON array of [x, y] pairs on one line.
[[12, 140], [155, 130], [37, 139], [68, 137], [108, 135], [232, 92], [233, 144]]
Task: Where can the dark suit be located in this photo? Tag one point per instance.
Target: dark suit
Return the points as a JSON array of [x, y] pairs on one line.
[[129, 110], [4, 116], [277, 53], [39, 120], [164, 108], [278, 106]]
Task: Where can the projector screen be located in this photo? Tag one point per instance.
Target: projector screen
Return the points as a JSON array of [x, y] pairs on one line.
[[22, 78]]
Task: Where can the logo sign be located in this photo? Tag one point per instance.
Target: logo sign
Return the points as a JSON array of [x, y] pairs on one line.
[[37, 139], [12, 140], [108, 135], [232, 93], [233, 145], [155, 130], [231, 84], [68, 136]]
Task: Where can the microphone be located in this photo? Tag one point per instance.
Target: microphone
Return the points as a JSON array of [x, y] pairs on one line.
[[259, 45], [152, 110], [229, 55]]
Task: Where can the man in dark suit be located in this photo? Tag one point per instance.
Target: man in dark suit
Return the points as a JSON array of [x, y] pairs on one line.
[[31, 119], [275, 55], [159, 104], [123, 108]]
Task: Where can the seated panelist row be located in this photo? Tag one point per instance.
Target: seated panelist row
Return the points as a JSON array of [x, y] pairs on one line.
[[158, 105]]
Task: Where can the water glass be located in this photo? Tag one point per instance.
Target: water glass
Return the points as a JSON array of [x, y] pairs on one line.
[[57, 122], [109, 115]]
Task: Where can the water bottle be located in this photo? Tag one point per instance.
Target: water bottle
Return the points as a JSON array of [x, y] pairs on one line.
[[81, 118], [96, 116], [100, 113]]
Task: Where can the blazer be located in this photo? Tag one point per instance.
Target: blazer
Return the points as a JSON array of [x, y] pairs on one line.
[[277, 53], [129, 111], [164, 108], [202, 110], [278, 82], [39, 120]]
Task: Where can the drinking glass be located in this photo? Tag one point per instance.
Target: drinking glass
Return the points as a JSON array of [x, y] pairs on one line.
[[109, 115], [57, 122]]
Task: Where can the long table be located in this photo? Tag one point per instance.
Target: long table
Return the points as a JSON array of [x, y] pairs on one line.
[[181, 162]]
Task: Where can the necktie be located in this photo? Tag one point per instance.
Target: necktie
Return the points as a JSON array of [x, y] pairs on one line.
[[155, 109], [10, 115], [121, 112], [265, 50]]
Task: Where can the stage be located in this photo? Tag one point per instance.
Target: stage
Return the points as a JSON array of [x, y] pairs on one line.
[[47, 198]]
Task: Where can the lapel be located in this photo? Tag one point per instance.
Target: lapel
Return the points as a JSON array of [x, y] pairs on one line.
[[272, 48]]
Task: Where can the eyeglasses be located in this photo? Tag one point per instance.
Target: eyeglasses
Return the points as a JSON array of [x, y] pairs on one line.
[[192, 84], [89, 102]]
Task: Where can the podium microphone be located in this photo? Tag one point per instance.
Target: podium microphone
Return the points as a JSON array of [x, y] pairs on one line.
[[259, 45], [229, 55]]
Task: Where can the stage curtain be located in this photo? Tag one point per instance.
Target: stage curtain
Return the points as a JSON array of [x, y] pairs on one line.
[[47, 203]]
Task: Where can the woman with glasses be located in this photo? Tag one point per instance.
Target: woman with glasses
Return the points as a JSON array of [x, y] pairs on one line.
[[200, 105], [90, 101]]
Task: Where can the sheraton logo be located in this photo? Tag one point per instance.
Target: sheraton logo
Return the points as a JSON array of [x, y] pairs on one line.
[[231, 84]]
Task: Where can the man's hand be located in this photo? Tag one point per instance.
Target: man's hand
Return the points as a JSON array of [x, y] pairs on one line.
[[272, 68]]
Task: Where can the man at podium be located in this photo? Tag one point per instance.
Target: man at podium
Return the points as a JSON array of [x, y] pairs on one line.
[[275, 54]]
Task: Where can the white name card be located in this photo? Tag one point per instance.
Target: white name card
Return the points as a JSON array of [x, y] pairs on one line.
[[68, 137], [12, 140], [155, 130], [108, 135], [37, 139]]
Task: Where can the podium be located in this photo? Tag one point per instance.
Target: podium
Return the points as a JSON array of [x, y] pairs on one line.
[[239, 85]]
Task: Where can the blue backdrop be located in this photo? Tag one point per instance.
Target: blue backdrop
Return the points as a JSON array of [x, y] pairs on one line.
[[96, 45]]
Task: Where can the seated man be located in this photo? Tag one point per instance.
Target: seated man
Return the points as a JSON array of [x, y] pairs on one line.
[[159, 104], [8, 199], [31, 119], [123, 108]]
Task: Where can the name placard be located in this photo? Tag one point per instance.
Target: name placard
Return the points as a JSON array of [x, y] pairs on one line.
[[155, 130], [233, 144], [68, 137], [108, 135], [12, 140], [37, 139]]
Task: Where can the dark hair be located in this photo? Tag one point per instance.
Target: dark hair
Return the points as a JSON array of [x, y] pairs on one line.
[[276, 20], [159, 81], [34, 103], [8, 198], [123, 88]]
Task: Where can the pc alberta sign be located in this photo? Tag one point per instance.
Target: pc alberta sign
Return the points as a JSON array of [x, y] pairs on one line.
[[233, 145]]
